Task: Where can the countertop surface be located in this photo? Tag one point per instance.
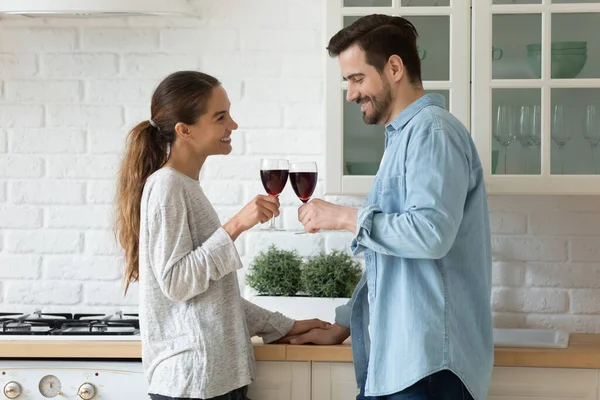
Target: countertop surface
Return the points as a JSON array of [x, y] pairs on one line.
[[583, 352]]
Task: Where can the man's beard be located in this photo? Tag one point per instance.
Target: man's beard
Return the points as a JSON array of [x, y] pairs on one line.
[[381, 104]]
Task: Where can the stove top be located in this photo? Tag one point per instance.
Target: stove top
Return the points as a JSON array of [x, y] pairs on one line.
[[38, 324]]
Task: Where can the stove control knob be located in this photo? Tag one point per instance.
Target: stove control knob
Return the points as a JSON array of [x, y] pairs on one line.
[[86, 391], [12, 390]]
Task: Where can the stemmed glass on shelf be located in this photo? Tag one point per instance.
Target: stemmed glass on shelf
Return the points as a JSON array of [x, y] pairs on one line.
[[504, 131], [561, 131], [591, 130], [529, 130]]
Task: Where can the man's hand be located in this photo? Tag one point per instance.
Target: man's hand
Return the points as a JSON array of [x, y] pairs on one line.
[[319, 215], [336, 334], [302, 326]]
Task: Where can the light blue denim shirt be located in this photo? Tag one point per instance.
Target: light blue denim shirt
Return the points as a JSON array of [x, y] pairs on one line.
[[423, 303]]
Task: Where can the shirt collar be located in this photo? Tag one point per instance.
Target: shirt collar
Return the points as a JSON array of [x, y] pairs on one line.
[[431, 99]]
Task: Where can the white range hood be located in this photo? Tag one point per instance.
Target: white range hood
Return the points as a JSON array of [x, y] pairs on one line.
[[94, 8]]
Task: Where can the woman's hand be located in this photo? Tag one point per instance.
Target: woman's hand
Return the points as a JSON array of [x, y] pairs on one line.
[[336, 334], [261, 209], [303, 326]]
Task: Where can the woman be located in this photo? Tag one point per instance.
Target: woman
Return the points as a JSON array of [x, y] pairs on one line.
[[195, 326]]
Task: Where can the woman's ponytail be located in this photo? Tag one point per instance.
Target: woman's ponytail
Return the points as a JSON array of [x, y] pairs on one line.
[[146, 152]]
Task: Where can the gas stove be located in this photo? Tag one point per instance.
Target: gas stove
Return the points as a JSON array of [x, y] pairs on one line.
[[43, 378], [55, 326]]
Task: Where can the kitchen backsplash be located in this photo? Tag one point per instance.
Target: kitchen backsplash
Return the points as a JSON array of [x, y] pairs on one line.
[[70, 89]]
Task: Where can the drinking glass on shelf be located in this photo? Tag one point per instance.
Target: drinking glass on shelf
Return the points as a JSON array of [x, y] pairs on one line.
[[591, 130], [526, 132], [274, 176], [537, 135], [560, 132], [303, 177], [504, 131]]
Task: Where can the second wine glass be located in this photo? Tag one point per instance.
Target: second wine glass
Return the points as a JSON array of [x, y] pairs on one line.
[[274, 176], [303, 177]]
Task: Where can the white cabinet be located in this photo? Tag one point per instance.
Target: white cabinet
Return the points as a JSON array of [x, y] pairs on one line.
[[354, 149], [525, 80], [333, 381], [281, 380], [511, 383], [536, 95]]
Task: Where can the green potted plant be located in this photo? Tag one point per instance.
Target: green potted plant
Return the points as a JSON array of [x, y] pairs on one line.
[[332, 275], [275, 272], [302, 290]]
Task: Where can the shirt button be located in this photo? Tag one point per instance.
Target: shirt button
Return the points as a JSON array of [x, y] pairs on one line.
[[359, 237]]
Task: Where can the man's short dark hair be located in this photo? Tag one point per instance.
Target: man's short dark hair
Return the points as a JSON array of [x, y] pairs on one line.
[[381, 36]]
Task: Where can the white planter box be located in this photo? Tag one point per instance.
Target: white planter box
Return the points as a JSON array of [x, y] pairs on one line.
[[301, 307]]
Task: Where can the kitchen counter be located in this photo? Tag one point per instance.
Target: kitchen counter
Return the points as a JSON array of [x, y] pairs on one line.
[[583, 352]]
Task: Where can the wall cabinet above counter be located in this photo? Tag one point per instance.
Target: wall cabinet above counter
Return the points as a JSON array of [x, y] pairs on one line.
[[517, 73]]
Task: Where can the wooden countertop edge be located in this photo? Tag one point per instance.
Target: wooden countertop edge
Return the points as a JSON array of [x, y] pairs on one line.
[[270, 352], [339, 353], [70, 349], [583, 352]]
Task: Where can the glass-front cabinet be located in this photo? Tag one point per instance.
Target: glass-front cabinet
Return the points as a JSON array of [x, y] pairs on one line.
[[536, 103], [354, 149], [523, 75]]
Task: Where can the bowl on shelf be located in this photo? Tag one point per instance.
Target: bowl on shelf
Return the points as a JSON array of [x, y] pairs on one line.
[[567, 59], [559, 46]]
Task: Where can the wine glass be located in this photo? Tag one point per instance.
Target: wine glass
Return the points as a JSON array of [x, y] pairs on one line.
[[274, 176], [526, 133], [505, 128], [537, 135], [561, 132], [303, 177], [591, 130]]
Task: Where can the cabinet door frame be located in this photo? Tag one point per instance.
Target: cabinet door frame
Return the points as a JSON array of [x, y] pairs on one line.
[[336, 183], [483, 84]]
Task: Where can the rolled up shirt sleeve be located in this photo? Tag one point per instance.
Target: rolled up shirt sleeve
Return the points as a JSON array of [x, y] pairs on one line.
[[437, 181]]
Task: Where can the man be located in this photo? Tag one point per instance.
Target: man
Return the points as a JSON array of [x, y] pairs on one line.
[[420, 317]]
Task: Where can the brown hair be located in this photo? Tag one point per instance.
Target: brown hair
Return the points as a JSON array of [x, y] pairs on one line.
[[381, 36], [180, 97]]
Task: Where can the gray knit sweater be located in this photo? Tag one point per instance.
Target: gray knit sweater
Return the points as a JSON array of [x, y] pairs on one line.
[[195, 326]]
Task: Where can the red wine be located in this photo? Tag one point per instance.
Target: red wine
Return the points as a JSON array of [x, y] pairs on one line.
[[304, 184], [274, 180]]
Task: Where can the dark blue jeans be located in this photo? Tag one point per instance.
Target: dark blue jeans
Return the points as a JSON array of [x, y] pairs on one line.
[[443, 385], [238, 394]]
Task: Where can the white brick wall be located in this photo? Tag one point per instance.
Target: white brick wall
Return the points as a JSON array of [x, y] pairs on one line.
[[70, 90]]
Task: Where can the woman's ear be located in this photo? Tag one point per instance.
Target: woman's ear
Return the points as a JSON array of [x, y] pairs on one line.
[[183, 131]]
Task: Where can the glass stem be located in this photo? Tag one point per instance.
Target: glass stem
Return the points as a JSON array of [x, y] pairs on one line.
[[505, 164], [272, 222]]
